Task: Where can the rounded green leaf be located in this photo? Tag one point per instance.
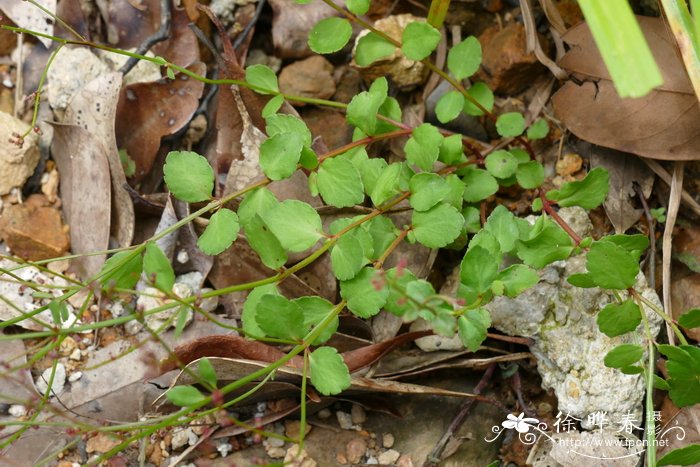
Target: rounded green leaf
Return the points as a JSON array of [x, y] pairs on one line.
[[279, 155], [258, 201], [339, 183], [510, 124], [501, 164], [365, 293], [611, 266], [588, 193], [423, 147], [330, 35], [347, 257], [449, 106], [316, 309], [220, 233], [688, 455], [189, 176], [623, 355], [283, 123], [478, 185], [184, 396], [437, 227], [272, 106], [329, 373], [358, 7], [250, 309], [538, 130], [265, 243], [482, 94], [372, 47], [517, 278], [122, 270], [530, 174], [157, 267], [463, 59], [263, 77], [280, 318], [690, 319], [478, 268], [472, 327], [616, 319], [296, 224], [427, 189], [419, 39], [207, 372]]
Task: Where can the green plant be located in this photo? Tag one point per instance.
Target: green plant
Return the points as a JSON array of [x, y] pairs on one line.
[[444, 188]]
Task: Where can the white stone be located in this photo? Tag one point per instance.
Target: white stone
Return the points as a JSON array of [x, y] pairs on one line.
[[182, 437], [76, 355], [75, 376], [17, 163], [224, 448], [389, 457], [17, 410], [344, 420], [387, 440], [59, 380]]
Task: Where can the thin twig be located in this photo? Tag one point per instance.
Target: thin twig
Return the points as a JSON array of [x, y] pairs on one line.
[[673, 205], [652, 237]]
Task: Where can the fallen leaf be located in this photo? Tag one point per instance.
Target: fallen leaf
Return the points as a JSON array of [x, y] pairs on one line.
[[149, 111], [93, 108], [30, 17], [661, 125], [679, 427]]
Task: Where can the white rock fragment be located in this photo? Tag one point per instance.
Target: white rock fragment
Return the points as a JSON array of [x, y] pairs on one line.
[[59, 380], [389, 457], [76, 355], [75, 376], [344, 420], [387, 440], [17, 163], [224, 448], [183, 437], [17, 410]]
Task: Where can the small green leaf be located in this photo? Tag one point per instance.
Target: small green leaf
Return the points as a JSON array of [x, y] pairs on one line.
[[263, 77], [272, 106], [617, 319], [478, 269], [396, 302], [329, 373], [423, 147], [170, 73], [363, 108], [330, 35], [283, 123], [296, 224], [451, 150], [545, 243], [688, 455], [278, 317], [623, 355], [473, 326], [383, 233], [438, 226], [583, 280], [610, 266], [660, 383], [184, 396], [339, 183], [482, 94], [221, 232], [207, 372], [372, 47], [538, 130], [189, 176], [279, 155], [358, 7], [588, 193], [690, 319], [463, 59], [128, 164], [501, 164], [347, 257], [516, 279], [530, 175], [157, 267], [122, 276], [183, 316], [390, 181], [256, 202], [265, 243], [370, 170], [316, 309], [250, 309], [365, 293], [427, 189], [59, 312], [501, 223], [478, 185], [510, 124], [419, 39], [449, 106]]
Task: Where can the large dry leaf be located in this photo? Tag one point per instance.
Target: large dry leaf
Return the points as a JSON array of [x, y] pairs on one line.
[[149, 111], [93, 108], [30, 17], [662, 125], [85, 192], [625, 171]]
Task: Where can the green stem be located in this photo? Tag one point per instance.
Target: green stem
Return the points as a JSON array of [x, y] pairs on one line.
[[438, 12]]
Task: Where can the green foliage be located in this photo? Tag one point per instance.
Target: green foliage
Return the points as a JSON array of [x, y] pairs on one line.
[[419, 40], [329, 374], [296, 224], [372, 47], [449, 106], [588, 193], [207, 372], [184, 396], [157, 267], [617, 319], [189, 176], [483, 95], [623, 355], [501, 164], [363, 108], [438, 226], [330, 35], [262, 77], [423, 147], [690, 319], [339, 183], [478, 184], [221, 232], [358, 7], [281, 318], [688, 455], [463, 59], [683, 366], [510, 124], [279, 155], [365, 293], [472, 327], [122, 270], [538, 130]]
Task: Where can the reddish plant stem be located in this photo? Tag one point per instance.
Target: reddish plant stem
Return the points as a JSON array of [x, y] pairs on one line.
[[363, 141], [547, 207]]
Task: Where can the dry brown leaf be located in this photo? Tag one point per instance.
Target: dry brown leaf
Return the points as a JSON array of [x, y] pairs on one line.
[[662, 125], [85, 193], [148, 111], [680, 427], [625, 170], [30, 17], [93, 108]]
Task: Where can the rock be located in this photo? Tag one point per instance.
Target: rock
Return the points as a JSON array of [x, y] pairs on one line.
[[72, 69], [17, 411], [154, 300], [68, 345], [59, 380], [569, 164], [505, 66], [182, 437], [273, 442], [403, 72], [259, 57], [298, 458], [404, 461], [324, 414], [341, 459], [49, 185], [75, 376], [34, 230], [389, 457], [387, 440], [311, 77], [355, 450], [17, 163], [292, 429], [329, 124], [591, 448], [348, 84], [357, 414], [436, 342], [101, 443], [276, 452], [344, 420]]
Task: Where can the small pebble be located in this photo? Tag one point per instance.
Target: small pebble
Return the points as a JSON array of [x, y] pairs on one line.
[[75, 355], [344, 420], [224, 448], [292, 427], [324, 413], [387, 440], [273, 442], [132, 327], [183, 437], [276, 452], [17, 410], [75, 376], [358, 414], [372, 461], [355, 450], [341, 459], [404, 461], [59, 380], [389, 457]]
